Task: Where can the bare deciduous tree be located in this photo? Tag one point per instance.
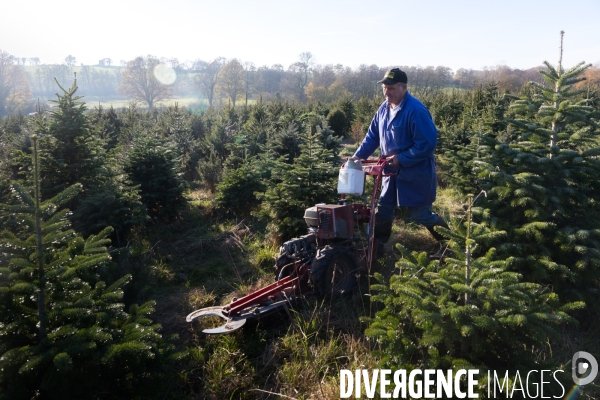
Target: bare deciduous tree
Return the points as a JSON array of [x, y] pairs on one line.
[[268, 80], [208, 76], [14, 86], [231, 80], [139, 83], [299, 75], [70, 61], [324, 75], [250, 68]]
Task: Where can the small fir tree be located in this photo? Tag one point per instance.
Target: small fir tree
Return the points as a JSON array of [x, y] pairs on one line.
[[175, 125], [71, 153], [471, 311], [106, 124], [58, 322], [256, 130], [293, 188], [236, 194], [543, 187], [339, 123], [210, 170], [151, 165], [116, 203], [286, 142]]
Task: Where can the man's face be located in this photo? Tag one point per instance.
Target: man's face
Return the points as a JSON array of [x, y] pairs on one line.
[[394, 93]]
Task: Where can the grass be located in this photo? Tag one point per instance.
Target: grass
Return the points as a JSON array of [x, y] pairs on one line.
[[203, 260]]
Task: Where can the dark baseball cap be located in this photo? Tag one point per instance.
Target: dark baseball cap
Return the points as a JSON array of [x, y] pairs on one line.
[[393, 76]]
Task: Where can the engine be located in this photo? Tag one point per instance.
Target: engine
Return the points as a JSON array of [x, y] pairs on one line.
[[332, 221], [300, 247]]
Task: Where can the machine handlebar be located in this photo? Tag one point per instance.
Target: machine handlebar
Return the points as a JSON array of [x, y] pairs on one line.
[[375, 166]]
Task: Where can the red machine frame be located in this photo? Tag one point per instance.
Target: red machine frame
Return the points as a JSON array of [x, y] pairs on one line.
[[279, 293]]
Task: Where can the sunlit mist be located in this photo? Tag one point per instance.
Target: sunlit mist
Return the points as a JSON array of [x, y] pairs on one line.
[[165, 74]]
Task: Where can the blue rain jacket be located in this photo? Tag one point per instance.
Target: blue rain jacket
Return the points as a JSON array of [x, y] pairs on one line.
[[412, 135]]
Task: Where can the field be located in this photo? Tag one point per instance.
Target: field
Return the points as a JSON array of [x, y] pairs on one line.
[[186, 102]]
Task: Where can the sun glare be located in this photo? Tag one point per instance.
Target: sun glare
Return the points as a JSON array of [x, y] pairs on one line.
[[165, 74]]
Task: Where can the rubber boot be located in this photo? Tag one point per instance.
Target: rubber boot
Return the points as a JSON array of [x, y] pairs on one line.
[[381, 234], [439, 237]]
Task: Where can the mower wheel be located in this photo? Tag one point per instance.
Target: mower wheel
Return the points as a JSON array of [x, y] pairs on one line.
[[333, 272]]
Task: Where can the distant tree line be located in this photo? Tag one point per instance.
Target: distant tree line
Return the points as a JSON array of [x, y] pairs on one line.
[[222, 81]]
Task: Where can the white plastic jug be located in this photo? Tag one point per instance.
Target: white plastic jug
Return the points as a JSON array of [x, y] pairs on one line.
[[351, 179]]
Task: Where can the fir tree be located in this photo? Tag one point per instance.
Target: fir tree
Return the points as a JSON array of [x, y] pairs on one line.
[[59, 323], [471, 311], [236, 194], [215, 148], [210, 170], [365, 109], [71, 153], [74, 144], [447, 109], [286, 142], [293, 188], [132, 126], [151, 165], [175, 125], [256, 130], [456, 154], [328, 139], [495, 107], [106, 124], [347, 106], [15, 159], [116, 203], [543, 187], [339, 122]]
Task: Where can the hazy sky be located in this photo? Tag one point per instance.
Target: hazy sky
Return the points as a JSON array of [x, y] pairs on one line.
[[454, 33]]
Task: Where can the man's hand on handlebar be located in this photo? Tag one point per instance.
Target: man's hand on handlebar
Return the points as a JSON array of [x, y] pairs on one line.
[[393, 160]]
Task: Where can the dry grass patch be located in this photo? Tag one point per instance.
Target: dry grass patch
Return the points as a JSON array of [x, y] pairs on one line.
[[322, 338], [173, 305]]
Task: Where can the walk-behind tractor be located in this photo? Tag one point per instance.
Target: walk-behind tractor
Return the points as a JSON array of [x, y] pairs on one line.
[[325, 261]]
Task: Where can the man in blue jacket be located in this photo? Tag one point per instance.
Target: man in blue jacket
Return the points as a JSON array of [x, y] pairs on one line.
[[404, 131]]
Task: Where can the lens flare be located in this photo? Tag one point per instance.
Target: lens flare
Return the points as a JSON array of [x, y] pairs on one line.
[[165, 74]]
